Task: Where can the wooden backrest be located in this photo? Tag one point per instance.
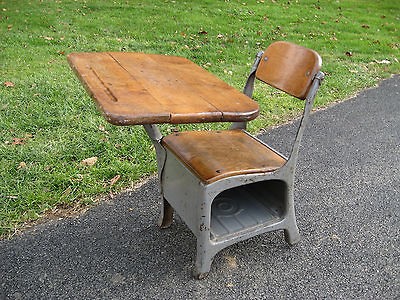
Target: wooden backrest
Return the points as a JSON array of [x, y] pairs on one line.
[[289, 67]]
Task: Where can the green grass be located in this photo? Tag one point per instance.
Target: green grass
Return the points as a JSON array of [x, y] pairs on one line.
[[48, 108]]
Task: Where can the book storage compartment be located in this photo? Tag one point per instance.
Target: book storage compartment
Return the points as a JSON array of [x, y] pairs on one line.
[[247, 207]]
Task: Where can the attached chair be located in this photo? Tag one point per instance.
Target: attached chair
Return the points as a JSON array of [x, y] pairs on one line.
[[227, 185]]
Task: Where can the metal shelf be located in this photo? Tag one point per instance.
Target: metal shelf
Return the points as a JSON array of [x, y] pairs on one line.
[[246, 207]]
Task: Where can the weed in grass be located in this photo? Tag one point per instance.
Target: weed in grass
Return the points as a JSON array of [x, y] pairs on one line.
[[48, 124]]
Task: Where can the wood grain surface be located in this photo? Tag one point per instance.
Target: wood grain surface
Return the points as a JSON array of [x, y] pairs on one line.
[[289, 67], [138, 88], [213, 155]]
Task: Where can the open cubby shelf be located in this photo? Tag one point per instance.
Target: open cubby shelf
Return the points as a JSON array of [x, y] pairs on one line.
[[252, 205]]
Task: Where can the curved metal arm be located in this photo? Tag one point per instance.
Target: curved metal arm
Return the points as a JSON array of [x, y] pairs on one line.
[[307, 109], [155, 135], [249, 87]]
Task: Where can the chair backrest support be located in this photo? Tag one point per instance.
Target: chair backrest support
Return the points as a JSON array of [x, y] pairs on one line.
[[292, 69]]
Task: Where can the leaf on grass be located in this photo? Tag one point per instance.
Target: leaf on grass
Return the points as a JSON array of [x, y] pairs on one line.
[[103, 129], [114, 179], [203, 32], [89, 161], [9, 84], [21, 165], [22, 141], [365, 26], [18, 141], [383, 62]]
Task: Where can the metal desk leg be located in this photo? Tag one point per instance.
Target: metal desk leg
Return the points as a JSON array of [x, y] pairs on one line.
[[166, 210]]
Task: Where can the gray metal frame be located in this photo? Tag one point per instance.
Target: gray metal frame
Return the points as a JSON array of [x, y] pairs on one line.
[[214, 211]]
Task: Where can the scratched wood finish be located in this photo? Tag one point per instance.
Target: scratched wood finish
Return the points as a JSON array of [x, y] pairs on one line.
[[213, 155], [138, 88], [282, 62]]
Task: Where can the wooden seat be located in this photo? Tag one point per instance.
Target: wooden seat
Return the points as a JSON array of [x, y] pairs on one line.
[[213, 155]]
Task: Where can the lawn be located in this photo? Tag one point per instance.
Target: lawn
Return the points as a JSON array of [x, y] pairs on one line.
[[49, 125]]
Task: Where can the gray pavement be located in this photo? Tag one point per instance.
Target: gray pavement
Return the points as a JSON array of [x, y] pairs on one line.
[[347, 204]]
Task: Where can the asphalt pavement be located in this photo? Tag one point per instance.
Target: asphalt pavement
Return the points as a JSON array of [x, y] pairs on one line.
[[347, 207]]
